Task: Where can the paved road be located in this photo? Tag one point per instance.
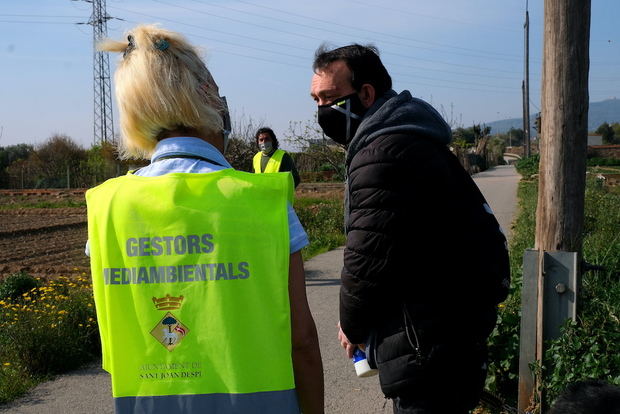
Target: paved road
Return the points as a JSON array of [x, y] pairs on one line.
[[499, 187], [88, 390]]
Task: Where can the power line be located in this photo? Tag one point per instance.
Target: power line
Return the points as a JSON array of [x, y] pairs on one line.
[[228, 52], [217, 40], [366, 30], [401, 11], [305, 58], [34, 21], [301, 35], [450, 81], [432, 49], [39, 15]]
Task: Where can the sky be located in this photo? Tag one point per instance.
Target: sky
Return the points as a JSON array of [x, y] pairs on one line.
[[464, 57]]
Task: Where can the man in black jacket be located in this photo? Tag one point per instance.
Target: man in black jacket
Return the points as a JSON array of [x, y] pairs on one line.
[[425, 261]]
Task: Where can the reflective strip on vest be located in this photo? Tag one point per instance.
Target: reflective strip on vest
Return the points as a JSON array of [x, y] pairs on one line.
[[276, 401], [192, 311], [273, 165]]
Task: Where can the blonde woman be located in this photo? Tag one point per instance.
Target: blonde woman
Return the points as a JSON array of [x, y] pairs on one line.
[[197, 271]]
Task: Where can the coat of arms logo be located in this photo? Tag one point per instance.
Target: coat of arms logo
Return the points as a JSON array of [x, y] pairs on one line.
[[169, 331]]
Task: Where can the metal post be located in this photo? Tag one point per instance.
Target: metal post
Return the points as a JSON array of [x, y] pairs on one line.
[[544, 308]]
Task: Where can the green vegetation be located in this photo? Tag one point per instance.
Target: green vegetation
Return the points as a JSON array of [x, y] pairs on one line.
[[610, 132], [323, 220], [596, 161], [528, 167], [45, 330], [589, 347], [13, 286]]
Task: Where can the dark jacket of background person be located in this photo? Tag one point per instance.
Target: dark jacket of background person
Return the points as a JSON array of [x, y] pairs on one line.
[[419, 233]]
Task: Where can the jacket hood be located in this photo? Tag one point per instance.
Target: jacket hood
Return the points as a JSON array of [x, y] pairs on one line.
[[397, 113]]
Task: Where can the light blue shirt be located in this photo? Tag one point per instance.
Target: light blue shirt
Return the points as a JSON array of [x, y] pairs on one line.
[[196, 147]]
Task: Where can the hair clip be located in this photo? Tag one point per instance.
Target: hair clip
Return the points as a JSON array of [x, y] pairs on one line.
[[131, 46], [162, 44]]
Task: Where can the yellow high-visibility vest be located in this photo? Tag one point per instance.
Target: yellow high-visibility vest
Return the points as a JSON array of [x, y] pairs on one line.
[[273, 165], [193, 312]]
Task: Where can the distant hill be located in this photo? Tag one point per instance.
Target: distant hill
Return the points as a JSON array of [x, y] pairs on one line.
[[599, 112]]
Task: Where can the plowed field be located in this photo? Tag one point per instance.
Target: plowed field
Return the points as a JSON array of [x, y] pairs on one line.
[[43, 241], [50, 242]]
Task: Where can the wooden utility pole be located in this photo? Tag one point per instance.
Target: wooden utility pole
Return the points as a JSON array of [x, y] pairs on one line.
[[559, 218], [561, 192]]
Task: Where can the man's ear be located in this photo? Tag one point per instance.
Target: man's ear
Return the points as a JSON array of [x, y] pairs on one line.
[[367, 95]]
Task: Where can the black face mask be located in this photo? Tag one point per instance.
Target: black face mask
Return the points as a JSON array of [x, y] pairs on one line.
[[340, 119]]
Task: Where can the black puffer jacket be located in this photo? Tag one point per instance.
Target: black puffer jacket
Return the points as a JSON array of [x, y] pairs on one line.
[[419, 231]]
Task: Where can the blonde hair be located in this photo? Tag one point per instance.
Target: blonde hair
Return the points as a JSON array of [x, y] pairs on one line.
[[161, 85]]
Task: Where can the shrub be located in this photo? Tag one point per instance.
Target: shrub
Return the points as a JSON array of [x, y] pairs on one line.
[[589, 347], [45, 331], [323, 221], [527, 167], [597, 161], [16, 284]]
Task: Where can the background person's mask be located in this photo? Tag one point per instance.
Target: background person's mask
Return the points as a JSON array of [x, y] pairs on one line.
[[340, 119], [266, 147]]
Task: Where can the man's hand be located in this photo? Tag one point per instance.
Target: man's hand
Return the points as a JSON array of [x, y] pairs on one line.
[[346, 344]]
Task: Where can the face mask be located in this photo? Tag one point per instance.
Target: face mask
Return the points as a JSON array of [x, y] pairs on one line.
[[266, 147], [340, 119]]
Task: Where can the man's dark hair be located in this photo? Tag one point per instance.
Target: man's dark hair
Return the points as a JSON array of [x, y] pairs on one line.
[[588, 397], [363, 61], [272, 134]]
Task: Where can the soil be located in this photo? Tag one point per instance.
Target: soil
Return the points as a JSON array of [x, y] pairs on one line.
[[50, 242], [43, 242]]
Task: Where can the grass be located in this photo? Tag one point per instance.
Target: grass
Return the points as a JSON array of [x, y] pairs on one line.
[[323, 220]]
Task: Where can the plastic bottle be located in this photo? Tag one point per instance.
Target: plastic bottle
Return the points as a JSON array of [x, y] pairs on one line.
[[362, 369]]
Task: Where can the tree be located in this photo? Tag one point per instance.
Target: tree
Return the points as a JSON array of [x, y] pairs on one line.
[[607, 132], [57, 160], [318, 151], [241, 145], [480, 131], [8, 156], [616, 127], [465, 135]]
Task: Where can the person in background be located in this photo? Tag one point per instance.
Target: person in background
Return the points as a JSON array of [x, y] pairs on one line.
[[425, 261], [270, 157], [194, 315]]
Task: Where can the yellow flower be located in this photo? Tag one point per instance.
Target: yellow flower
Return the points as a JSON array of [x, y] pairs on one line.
[[80, 325], [62, 312], [53, 325], [6, 364]]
